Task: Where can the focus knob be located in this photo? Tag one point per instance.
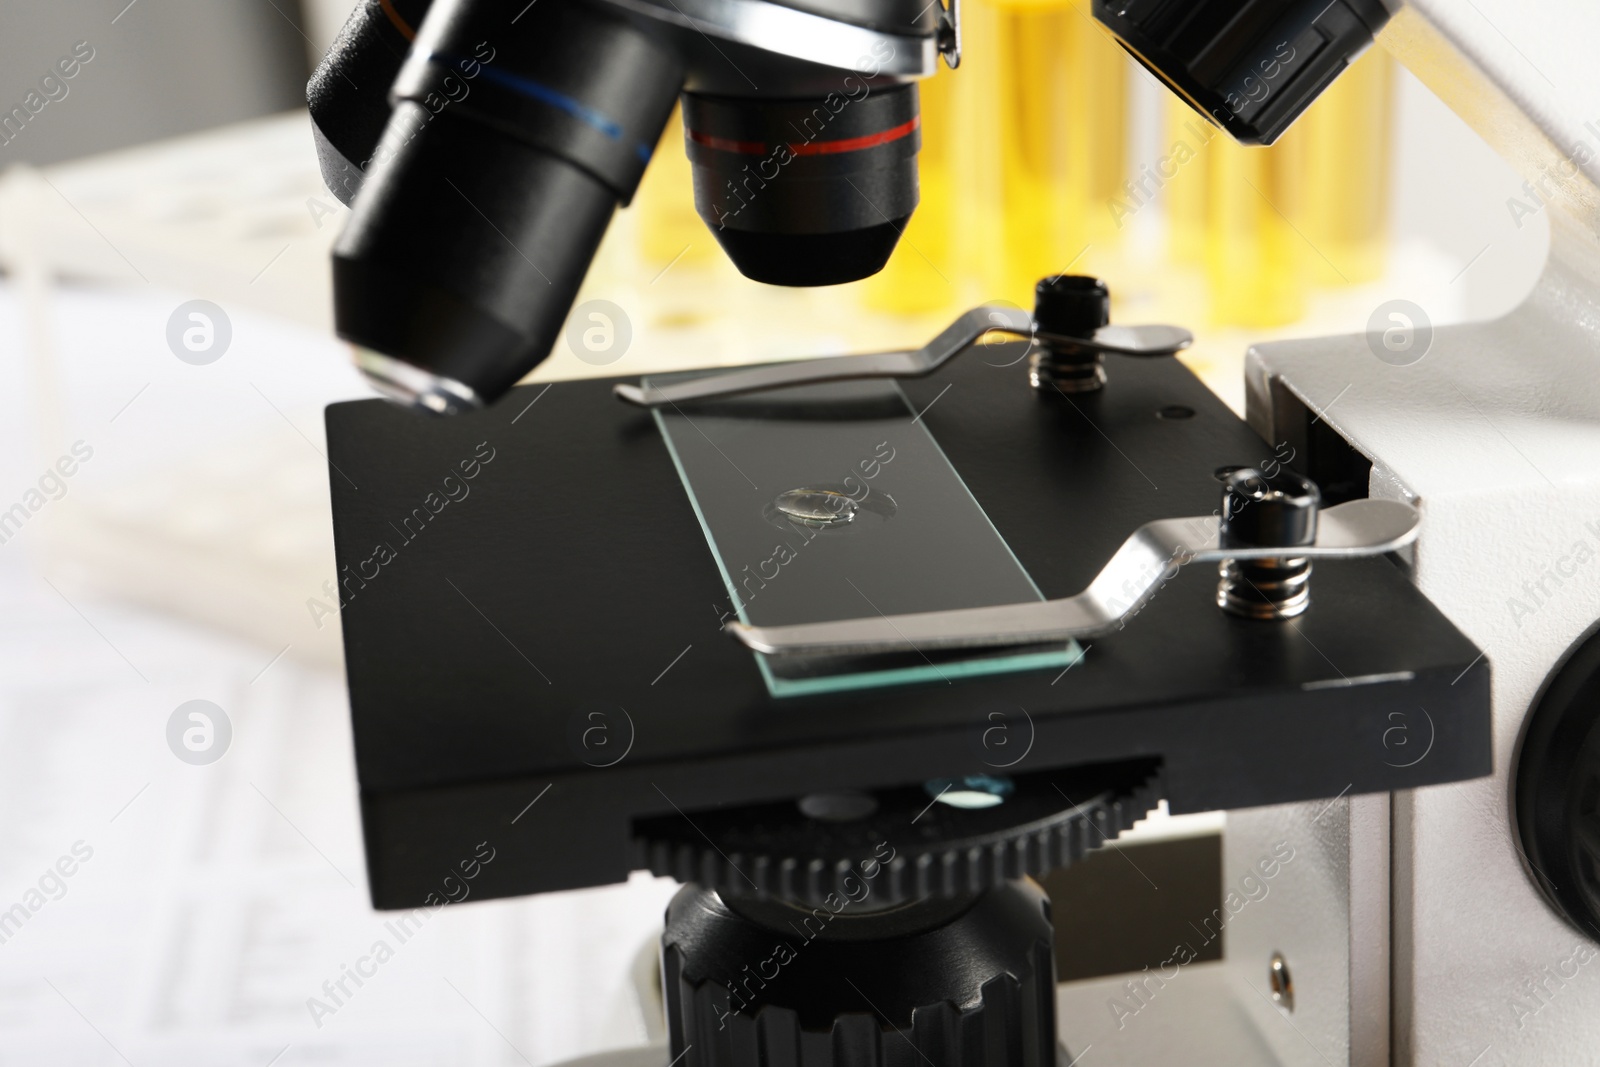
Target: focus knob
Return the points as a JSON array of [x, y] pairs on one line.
[[1558, 788], [954, 983]]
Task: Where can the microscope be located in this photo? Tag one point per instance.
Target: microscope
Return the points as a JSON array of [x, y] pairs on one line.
[[986, 605]]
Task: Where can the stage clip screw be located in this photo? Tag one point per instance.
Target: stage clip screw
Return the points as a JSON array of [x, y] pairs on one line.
[[1261, 511]]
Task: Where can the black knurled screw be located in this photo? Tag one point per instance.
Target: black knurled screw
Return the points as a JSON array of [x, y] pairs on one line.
[[1262, 511], [1067, 306]]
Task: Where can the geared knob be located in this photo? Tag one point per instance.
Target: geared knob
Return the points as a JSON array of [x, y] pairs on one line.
[[967, 982], [912, 842]]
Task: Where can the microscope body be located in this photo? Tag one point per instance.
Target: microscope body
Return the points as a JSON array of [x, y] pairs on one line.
[[1452, 923], [1482, 893], [483, 150], [1459, 922]]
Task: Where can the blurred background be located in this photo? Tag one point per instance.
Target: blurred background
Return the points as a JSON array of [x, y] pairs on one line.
[[187, 554]]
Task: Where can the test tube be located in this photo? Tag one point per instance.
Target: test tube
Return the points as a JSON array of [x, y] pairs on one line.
[[1060, 90], [1185, 193], [1023, 150], [1254, 258], [1347, 133], [920, 276], [1311, 209], [669, 228]]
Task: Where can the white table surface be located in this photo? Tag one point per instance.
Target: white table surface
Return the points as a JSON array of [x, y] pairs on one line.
[[219, 898]]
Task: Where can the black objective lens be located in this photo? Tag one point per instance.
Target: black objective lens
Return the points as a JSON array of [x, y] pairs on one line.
[[510, 146], [347, 120], [806, 192], [1252, 66]]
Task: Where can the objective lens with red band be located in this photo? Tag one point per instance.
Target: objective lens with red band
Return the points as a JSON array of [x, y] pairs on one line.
[[812, 191], [810, 148]]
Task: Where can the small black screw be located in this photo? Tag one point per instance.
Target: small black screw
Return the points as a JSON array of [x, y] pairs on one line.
[[1261, 511], [1066, 306]]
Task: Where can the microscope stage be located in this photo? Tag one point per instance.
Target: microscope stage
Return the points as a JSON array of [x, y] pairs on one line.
[[532, 626]]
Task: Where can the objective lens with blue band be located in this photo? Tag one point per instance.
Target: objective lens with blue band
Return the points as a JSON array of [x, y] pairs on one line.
[[513, 144], [595, 120]]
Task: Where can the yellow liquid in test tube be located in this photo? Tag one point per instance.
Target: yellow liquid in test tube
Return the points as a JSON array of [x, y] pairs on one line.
[[1254, 259], [1044, 206], [1060, 99], [669, 228], [1186, 193], [1346, 135], [1097, 147], [1023, 150], [1267, 222], [920, 277]]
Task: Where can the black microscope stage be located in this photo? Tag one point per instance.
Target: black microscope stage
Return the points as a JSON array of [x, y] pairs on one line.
[[567, 585]]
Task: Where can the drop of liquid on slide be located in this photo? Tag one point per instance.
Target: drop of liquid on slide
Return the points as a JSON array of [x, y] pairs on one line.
[[817, 507]]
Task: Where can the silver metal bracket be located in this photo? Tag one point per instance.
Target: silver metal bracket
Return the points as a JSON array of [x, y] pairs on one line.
[[790, 31], [1144, 563], [966, 331]]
